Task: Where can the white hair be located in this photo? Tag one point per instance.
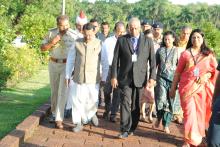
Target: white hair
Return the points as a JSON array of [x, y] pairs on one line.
[[134, 19]]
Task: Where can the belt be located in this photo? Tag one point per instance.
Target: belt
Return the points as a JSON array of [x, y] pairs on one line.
[[58, 60]]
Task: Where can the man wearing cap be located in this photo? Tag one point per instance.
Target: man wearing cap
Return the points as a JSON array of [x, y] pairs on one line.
[[83, 65], [57, 42], [145, 25], [157, 34], [81, 20]]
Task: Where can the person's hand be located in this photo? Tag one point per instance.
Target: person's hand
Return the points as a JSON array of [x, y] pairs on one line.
[[114, 83], [102, 83], [56, 39], [150, 83], [67, 82], [204, 78], [172, 93]]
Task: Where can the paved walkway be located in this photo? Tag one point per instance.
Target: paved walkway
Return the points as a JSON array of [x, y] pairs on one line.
[[103, 136]]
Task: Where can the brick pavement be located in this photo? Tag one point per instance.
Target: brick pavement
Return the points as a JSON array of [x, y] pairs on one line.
[[103, 136]]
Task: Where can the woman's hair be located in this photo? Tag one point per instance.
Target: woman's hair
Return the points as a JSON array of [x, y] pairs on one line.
[[205, 50], [173, 34]]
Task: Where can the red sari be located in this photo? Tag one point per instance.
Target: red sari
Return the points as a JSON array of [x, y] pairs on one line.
[[196, 98]]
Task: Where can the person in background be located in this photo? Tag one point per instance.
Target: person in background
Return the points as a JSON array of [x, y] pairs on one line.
[[196, 75], [112, 104], [105, 29], [101, 37], [166, 59], [130, 74], [57, 42], [157, 33], [83, 65], [183, 40], [214, 124], [146, 25], [96, 25]]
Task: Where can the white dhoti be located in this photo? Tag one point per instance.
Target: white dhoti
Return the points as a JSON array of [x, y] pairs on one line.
[[85, 102], [69, 102]]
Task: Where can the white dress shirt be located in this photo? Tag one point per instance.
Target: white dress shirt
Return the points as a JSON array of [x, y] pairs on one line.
[[108, 48]]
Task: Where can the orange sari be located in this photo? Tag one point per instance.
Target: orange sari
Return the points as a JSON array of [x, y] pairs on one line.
[[196, 98]]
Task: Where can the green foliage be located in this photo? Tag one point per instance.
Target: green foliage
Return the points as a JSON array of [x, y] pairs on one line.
[[17, 64]]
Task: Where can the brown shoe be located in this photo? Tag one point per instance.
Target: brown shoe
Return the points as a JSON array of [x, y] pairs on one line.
[[59, 124]]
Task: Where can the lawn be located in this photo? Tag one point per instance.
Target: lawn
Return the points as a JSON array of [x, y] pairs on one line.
[[20, 101]]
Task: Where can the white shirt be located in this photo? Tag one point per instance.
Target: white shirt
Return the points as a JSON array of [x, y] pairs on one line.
[[71, 62], [108, 48]]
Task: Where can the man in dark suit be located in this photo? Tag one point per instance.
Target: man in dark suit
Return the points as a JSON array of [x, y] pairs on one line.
[[132, 53]]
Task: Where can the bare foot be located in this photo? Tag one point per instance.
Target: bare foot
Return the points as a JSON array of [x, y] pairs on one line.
[[166, 130], [156, 124]]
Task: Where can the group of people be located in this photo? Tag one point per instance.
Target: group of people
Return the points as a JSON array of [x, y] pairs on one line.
[[135, 66]]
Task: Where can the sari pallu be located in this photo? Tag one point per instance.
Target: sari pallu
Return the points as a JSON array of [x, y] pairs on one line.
[[196, 98]]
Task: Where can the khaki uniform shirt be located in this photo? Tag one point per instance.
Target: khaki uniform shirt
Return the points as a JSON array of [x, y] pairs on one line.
[[60, 50]]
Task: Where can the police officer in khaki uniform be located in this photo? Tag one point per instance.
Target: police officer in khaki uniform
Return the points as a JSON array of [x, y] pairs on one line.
[[57, 42]]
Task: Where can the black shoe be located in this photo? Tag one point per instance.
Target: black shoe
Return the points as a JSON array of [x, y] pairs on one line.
[[123, 135], [106, 115], [113, 119], [51, 119]]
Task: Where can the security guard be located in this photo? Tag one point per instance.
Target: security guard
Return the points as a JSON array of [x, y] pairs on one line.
[[57, 42], [157, 34]]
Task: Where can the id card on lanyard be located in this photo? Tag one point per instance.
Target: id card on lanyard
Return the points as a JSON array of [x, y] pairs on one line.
[[196, 71]]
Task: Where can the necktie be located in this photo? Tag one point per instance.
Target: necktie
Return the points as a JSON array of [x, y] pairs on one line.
[[134, 43]]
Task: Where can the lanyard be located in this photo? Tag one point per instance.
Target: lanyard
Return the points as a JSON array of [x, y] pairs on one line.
[[194, 58], [168, 55]]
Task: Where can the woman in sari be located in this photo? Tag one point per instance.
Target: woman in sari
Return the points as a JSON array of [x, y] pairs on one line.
[[195, 73]]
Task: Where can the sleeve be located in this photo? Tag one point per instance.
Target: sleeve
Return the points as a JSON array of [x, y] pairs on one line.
[[181, 63], [115, 61], [158, 57], [104, 63], [152, 60], [70, 61], [46, 38]]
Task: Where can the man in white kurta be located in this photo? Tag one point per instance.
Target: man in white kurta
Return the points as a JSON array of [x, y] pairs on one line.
[[84, 60], [80, 21]]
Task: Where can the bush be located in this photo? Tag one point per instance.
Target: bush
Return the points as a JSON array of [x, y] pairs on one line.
[[17, 64]]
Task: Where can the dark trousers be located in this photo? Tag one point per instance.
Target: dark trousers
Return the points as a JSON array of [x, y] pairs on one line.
[[112, 96], [112, 101], [130, 110], [165, 116], [214, 126]]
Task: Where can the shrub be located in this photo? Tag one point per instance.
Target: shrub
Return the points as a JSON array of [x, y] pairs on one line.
[[17, 64]]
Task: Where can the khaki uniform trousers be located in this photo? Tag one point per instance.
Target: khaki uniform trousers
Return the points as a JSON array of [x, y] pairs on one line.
[[58, 89]]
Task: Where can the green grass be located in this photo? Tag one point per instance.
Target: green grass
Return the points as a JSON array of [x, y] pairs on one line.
[[20, 101]]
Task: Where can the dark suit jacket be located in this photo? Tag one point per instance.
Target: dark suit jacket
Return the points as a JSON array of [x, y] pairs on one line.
[[127, 71]]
